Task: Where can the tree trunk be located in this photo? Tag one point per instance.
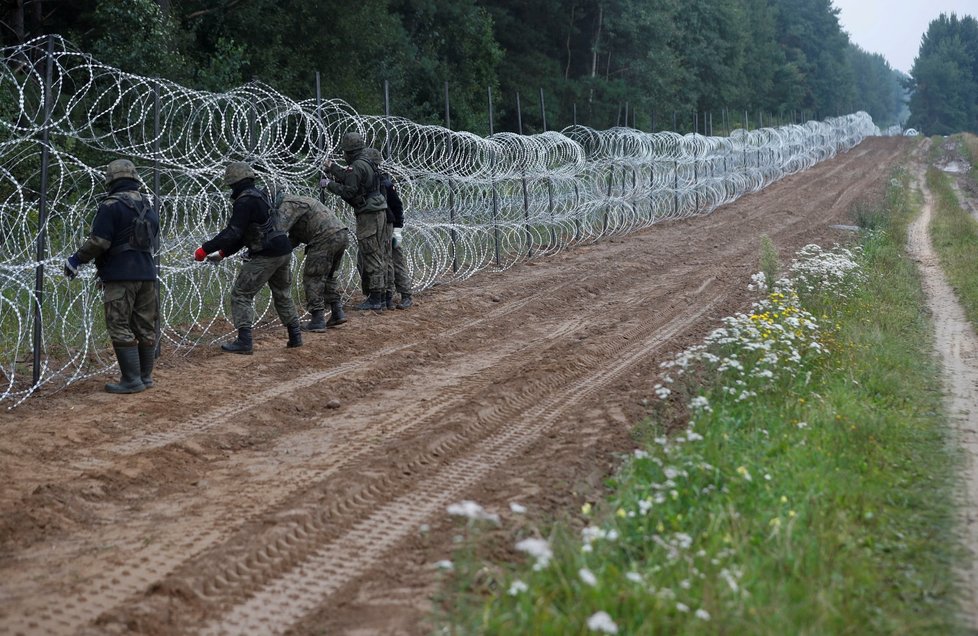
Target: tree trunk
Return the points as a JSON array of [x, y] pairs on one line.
[[595, 42], [570, 31], [17, 19], [594, 52]]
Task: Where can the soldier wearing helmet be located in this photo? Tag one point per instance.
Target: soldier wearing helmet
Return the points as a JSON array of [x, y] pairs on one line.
[[123, 242], [359, 185], [269, 258]]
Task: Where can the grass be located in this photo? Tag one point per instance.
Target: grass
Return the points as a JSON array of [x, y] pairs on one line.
[[814, 500]]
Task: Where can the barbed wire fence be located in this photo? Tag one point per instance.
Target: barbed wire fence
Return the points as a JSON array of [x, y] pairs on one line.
[[472, 203]]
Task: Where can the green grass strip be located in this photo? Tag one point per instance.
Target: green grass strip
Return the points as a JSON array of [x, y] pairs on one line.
[[813, 501]]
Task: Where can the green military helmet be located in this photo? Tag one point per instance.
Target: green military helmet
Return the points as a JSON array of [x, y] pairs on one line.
[[120, 169], [236, 171], [352, 141]]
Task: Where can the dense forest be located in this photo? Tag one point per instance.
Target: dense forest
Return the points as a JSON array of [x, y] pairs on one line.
[[945, 77], [652, 64]]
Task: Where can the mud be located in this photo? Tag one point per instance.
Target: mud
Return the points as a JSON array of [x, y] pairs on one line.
[[233, 499]]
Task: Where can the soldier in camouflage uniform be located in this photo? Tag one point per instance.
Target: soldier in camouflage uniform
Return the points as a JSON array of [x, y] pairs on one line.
[[326, 238], [358, 186], [125, 235], [398, 276], [268, 260]]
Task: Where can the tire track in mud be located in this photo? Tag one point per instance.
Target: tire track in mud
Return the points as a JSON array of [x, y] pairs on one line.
[[327, 504], [226, 512], [273, 607]]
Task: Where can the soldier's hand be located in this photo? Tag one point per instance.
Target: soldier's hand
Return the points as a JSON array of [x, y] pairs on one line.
[[71, 267], [328, 163], [323, 182], [216, 257]]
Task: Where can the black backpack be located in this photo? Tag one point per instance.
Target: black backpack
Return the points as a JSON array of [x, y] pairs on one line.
[[141, 238], [276, 225]]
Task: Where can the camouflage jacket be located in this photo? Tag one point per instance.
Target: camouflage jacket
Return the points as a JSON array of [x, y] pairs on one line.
[[354, 182]]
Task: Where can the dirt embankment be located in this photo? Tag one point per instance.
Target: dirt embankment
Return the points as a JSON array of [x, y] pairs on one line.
[[232, 499]]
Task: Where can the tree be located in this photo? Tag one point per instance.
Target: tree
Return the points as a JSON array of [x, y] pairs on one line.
[[944, 77]]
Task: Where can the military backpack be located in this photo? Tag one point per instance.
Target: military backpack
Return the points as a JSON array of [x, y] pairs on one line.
[[141, 235]]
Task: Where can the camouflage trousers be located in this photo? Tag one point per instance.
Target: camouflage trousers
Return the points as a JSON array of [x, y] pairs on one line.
[[254, 273], [398, 276], [131, 311], [373, 241], [320, 273]]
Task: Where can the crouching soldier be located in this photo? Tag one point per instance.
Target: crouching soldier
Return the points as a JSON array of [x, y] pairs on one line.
[[125, 235], [326, 238], [268, 260]]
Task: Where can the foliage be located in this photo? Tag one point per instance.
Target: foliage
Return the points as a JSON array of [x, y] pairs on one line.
[[770, 264], [944, 77], [598, 62]]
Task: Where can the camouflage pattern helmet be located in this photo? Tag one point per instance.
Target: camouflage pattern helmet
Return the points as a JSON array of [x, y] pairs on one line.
[[236, 171], [352, 141], [120, 169]]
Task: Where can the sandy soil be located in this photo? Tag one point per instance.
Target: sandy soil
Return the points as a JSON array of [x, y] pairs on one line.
[[957, 346], [235, 498]]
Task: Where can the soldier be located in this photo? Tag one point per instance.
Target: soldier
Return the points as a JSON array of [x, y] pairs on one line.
[[125, 235], [268, 260], [398, 277], [326, 238], [359, 186]]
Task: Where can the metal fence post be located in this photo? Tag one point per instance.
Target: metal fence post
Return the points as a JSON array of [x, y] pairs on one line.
[[42, 213], [157, 207], [451, 187], [387, 117], [526, 194], [550, 186], [492, 182]]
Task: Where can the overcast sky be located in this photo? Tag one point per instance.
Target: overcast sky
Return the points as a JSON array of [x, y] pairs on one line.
[[893, 27]]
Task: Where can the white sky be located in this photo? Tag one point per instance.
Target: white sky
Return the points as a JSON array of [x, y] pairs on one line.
[[893, 28]]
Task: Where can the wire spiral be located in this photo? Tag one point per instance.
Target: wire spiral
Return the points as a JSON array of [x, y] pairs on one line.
[[471, 203]]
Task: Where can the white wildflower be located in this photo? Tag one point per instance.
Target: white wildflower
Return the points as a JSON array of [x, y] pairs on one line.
[[588, 576], [473, 511], [601, 622], [517, 587], [517, 508], [539, 549], [445, 565], [702, 614]]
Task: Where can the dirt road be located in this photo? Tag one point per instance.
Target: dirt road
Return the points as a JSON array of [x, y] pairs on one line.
[[957, 347], [236, 498]]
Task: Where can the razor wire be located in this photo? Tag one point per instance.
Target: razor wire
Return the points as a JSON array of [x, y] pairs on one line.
[[471, 203]]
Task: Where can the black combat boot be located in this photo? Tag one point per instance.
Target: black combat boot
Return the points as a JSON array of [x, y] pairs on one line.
[[242, 345], [389, 300], [128, 358], [147, 358], [405, 301], [336, 316], [295, 334], [374, 302], [317, 322]]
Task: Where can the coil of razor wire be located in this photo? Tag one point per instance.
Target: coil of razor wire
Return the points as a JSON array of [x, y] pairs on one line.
[[471, 203]]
